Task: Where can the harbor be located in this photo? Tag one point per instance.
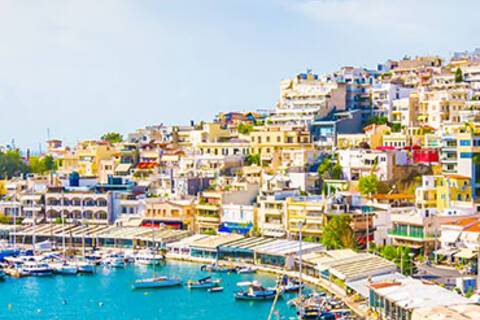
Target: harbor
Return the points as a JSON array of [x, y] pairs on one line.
[[71, 293]]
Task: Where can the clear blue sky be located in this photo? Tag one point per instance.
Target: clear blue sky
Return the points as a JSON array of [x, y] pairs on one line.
[[85, 67]]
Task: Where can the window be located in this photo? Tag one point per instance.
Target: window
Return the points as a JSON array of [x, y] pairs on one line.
[[465, 143]]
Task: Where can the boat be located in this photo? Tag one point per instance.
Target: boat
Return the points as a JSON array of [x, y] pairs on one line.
[[291, 285], [156, 282], [204, 283], [148, 258], [115, 261], [64, 268], [246, 270], [85, 266], [215, 289], [217, 268], [37, 269], [255, 291]]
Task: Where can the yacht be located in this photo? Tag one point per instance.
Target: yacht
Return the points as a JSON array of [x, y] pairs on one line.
[[148, 258], [85, 266], [115, 261], [64, 268], [37, 269]]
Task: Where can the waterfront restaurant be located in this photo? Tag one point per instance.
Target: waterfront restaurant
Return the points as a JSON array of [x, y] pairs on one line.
[[281, 253], [358, 266], [242, 250], [182, 247], [398, 300], [207, 248]]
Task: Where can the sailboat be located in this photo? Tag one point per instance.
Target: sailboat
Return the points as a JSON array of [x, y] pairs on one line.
[[84, 265], [64, 268], [156, 282]]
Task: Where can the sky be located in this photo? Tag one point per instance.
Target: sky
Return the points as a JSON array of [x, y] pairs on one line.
[[85, 67]]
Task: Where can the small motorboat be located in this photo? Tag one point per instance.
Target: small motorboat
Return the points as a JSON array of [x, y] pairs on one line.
[[290, 285], [246, 270], [255, 291], [217, 268], [64, 268], [204, 283], [156, 282], [37, 269], [215, 289]]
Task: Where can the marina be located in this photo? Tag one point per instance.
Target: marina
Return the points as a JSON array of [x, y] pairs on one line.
[[60, 297]]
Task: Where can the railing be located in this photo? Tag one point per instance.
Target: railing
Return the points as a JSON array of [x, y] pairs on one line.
[[408, 235]]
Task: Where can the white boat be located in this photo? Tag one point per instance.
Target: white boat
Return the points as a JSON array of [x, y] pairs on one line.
[[37, 269], [64, 268], [115, 261], [85, 266], [156, 282], [246, 270], [148, 258]]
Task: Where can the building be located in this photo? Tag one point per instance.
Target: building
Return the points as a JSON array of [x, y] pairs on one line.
[[306, 98], [174, 214]]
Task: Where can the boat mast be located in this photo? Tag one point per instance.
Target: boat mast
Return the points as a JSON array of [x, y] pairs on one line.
[[63, 225], [15, 208], [300, 271], [34, 238], [83, 231]]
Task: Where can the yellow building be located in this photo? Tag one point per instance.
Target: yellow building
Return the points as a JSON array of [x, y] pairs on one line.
[[207, 212], [310, 212], [90, 153], [444, 192], [346, 141], [271, 142], [175, 214]]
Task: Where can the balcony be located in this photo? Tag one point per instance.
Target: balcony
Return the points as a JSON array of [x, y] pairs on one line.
[[410, 236]]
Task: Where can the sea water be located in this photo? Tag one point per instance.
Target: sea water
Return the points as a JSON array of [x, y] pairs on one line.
[[108, 295]]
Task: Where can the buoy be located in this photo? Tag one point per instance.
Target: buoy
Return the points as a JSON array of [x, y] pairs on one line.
[[100, 304], [39, 310], [9, 306], [146, 293], [64, 301]]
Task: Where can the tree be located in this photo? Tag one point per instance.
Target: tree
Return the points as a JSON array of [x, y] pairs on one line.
[[328, 170], [369, 184], [112, 137], [42, 165], [338, 233], [458, 75], [376, 120], [11, 164], [245, 128], [253, 158]]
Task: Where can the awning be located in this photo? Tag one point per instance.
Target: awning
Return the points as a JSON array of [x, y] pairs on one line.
[[123, 167], [446, 252], [449, 236], [465, 254]]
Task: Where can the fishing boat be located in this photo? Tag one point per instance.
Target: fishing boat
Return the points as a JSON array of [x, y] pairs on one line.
[[64, 268], [217, 268], [291, 285], [156, 282], [148, 258], [204, 283], [255, 291], [37, 269], [246, 270]]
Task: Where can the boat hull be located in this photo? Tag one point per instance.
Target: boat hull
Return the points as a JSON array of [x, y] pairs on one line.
[[156, 284]]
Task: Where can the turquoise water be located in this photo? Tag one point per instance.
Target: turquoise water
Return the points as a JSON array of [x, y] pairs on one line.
[[108, 295]]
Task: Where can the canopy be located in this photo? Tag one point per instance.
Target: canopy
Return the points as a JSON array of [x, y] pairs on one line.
[[465, 254]]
